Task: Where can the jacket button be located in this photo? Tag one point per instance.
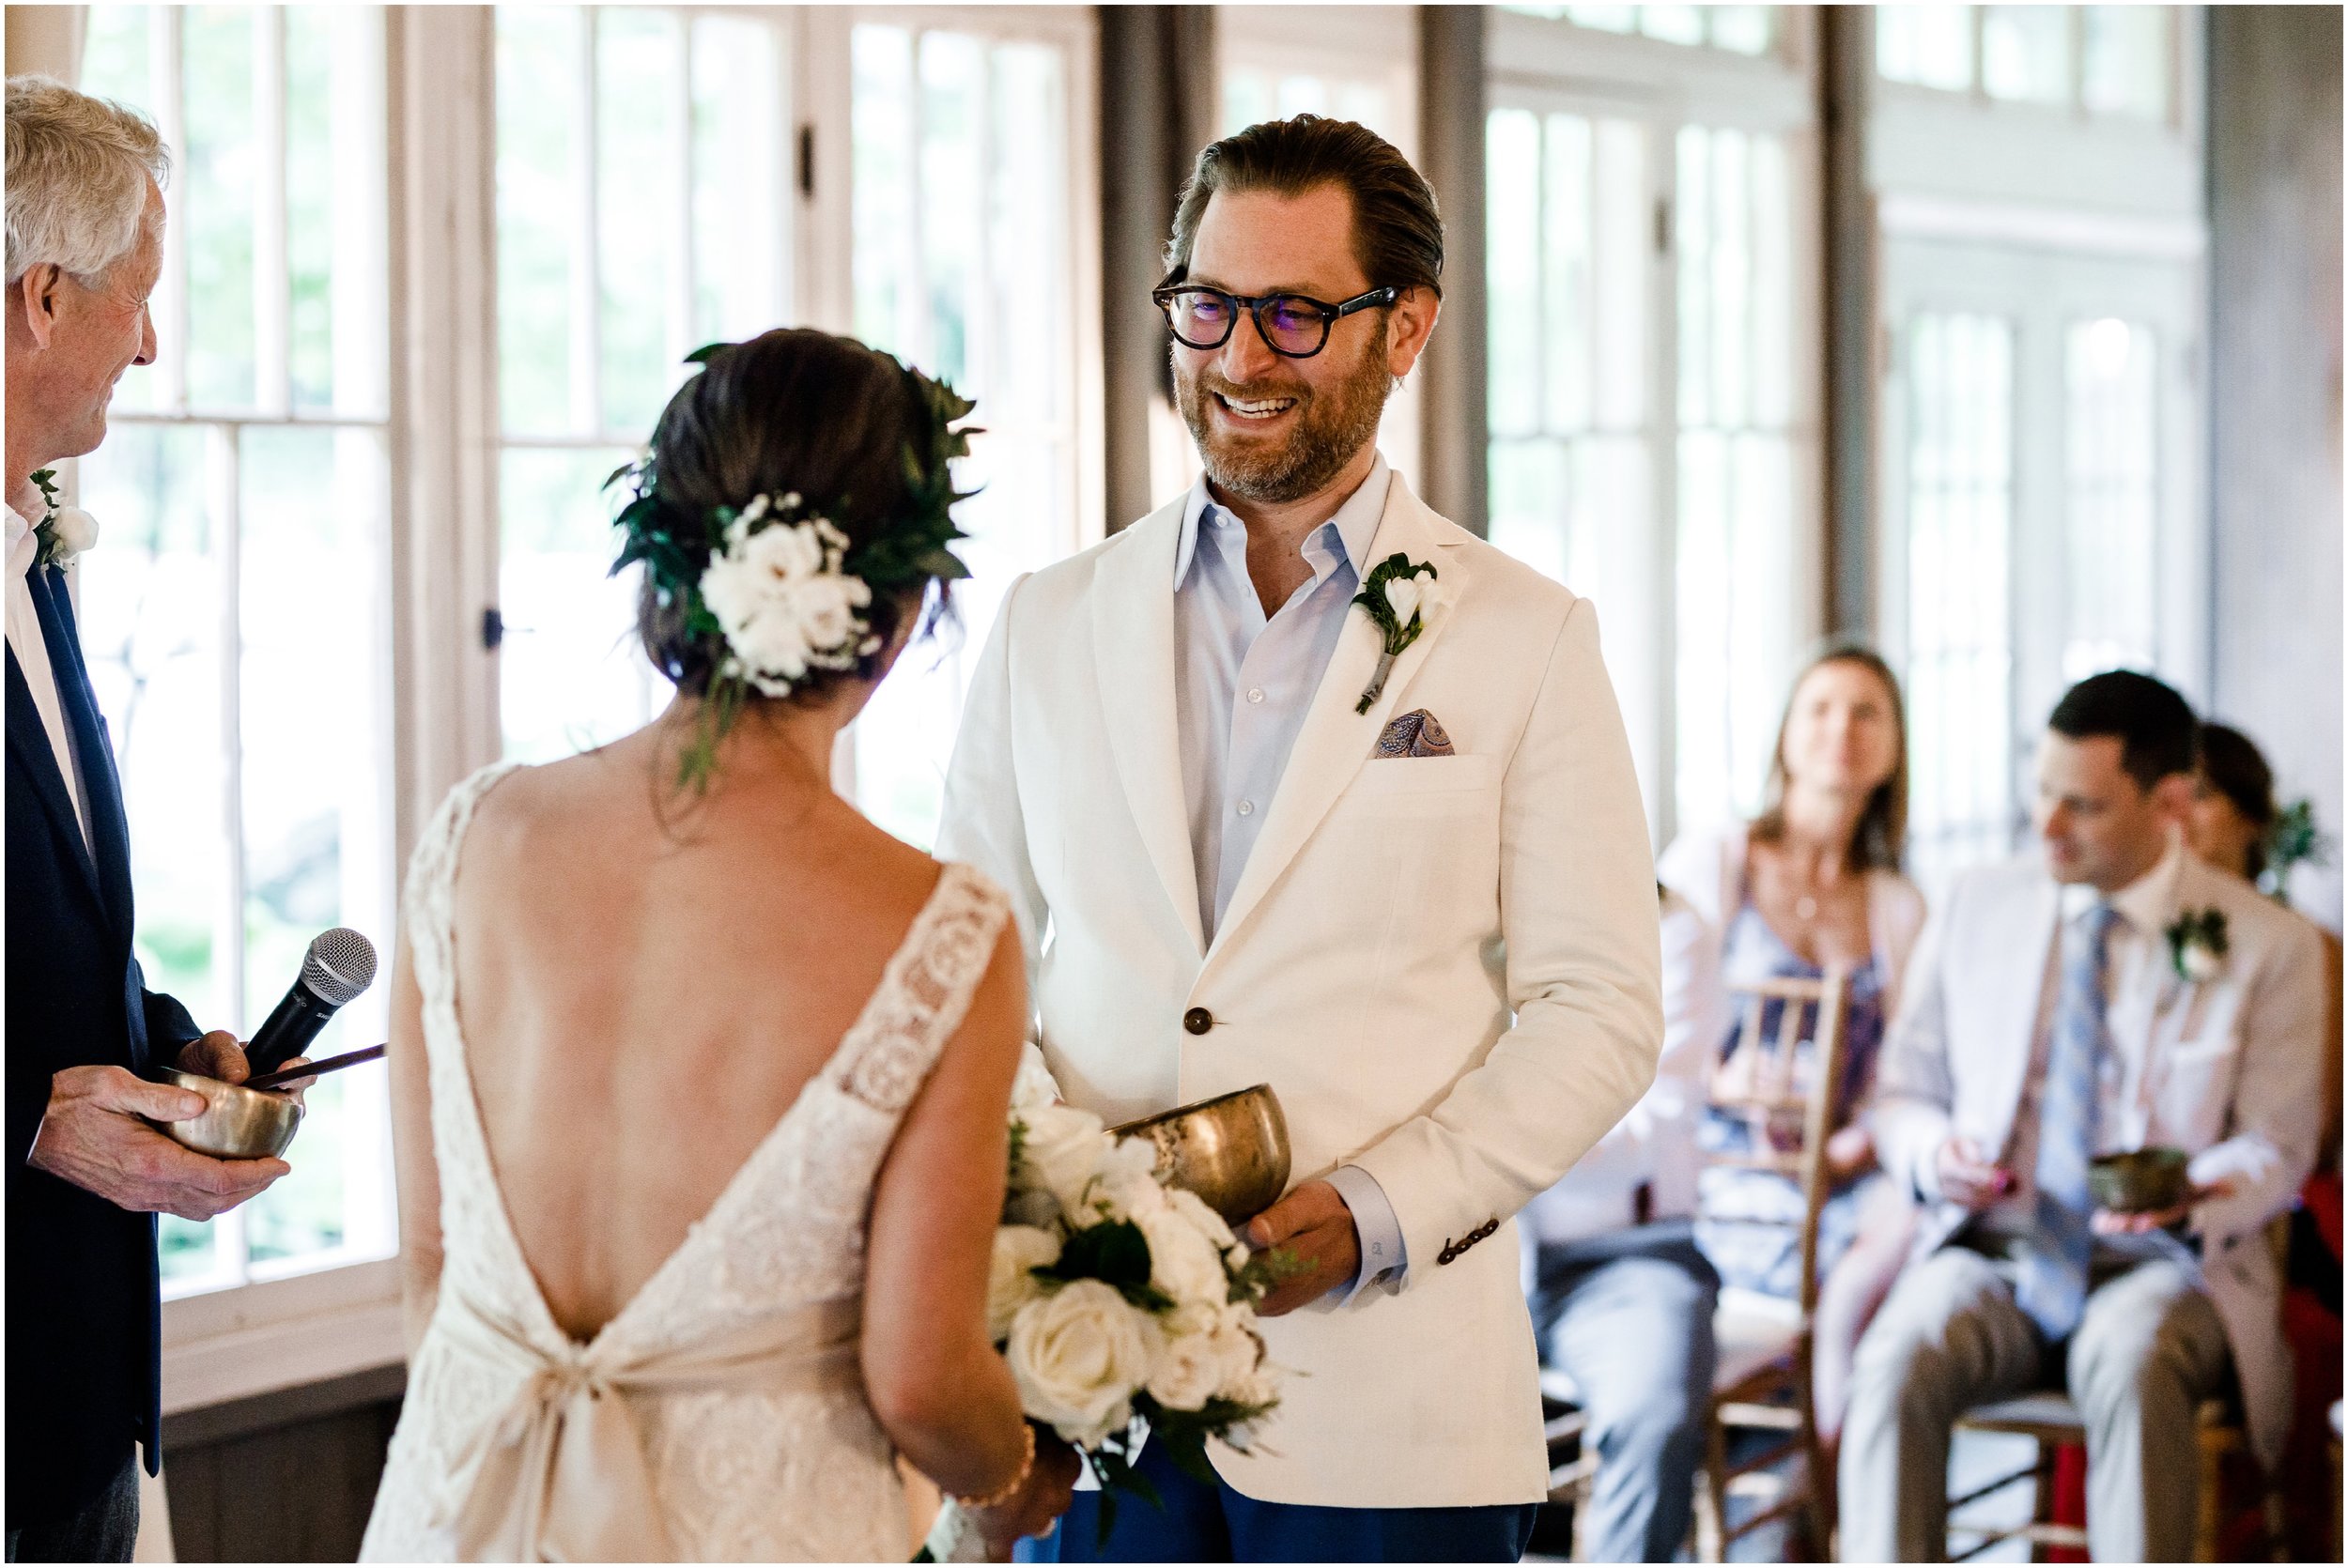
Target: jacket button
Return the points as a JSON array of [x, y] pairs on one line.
[[1199, 1021]]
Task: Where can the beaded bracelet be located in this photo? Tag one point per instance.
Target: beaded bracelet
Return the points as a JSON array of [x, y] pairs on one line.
[[1008, 1489]]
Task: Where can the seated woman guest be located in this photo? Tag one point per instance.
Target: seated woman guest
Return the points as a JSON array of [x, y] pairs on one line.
[[1814, 880], [699, 1078]]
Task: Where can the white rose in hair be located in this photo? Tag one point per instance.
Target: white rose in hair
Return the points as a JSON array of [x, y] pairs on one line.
[[1011, 1283], [1183, 1263], [1061, 1150], [74, 531], [1077, 1356], [827, 608]]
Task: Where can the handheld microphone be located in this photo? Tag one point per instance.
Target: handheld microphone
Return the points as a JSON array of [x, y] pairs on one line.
[[339, 965]]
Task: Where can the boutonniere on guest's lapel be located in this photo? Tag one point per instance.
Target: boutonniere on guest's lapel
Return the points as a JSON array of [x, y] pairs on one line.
[[1399, 604], [63, 531], [2196, 945]]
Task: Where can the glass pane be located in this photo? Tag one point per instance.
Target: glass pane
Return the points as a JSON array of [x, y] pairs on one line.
[[1960, 499], [571, 675], [639, 57], [536, 81], [2026, 52], [944, 229], [310, 155], [1622, 238], [2110, 503], [213, 197], [886, 267], [1611, 19], [150, 607], [316, 756], [741, 170], [1568, 281], [1745, 29], [1246, 99], [1931, 46], [1673, 23], [116, 64], [1512, 268], [2127, 67]]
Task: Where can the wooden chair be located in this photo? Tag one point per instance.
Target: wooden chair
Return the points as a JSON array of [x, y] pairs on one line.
[[2050, 1420], [1763, 1382]]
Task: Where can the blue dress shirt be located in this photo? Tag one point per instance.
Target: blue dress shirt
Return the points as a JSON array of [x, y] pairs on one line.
[[1243, 684]]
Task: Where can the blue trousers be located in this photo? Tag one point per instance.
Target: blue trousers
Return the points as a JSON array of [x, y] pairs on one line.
[[1200, 1523]]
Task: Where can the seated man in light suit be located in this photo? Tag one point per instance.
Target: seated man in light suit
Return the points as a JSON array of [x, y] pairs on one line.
[[2112, 993], [1624, 1309], [1414, 897]]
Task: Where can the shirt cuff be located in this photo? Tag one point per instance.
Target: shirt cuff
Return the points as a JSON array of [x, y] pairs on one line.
[[1383, 1259]]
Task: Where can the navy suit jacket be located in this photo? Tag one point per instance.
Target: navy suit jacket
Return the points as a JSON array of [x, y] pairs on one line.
[[84, 1319]]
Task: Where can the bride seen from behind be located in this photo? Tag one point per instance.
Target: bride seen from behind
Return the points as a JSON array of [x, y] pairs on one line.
[[699, 1078]]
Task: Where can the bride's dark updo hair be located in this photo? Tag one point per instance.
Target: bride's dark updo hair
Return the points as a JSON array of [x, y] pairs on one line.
[[790, 411]]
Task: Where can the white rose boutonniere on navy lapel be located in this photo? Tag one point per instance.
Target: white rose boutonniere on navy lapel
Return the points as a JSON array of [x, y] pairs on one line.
[[1400, 603], [63, 531], [2196, 946]]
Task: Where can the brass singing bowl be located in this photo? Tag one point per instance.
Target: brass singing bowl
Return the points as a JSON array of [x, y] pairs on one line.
[[1231, 1150], [2140, 1182], [237, 1123]]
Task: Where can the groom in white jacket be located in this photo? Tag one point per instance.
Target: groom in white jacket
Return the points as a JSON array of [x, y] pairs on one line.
[[1413, 895]]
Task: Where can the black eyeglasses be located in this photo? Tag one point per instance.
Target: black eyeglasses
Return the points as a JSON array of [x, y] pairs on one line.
[[1295, 326]]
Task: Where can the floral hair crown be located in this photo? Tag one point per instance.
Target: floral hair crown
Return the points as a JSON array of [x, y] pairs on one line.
[[778, 597]]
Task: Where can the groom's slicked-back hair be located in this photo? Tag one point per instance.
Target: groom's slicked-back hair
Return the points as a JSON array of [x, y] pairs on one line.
[[793, 409], [1397, 232], [2158, 734]]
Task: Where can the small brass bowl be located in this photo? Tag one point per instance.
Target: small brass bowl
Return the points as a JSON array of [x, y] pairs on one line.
[[238, 1123], [1231, 1150], [2138, 1181]]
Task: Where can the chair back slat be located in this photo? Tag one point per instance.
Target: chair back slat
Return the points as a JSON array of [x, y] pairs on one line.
[[1767, 1094]]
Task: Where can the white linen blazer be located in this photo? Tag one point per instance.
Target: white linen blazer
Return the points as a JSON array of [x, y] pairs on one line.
[[2229, 1068], [1446, 967]]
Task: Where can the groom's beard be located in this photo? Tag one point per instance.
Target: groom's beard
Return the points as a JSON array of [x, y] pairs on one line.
[[1331, 424]]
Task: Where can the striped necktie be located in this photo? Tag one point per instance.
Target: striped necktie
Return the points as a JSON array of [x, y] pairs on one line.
[[2052, 1285]]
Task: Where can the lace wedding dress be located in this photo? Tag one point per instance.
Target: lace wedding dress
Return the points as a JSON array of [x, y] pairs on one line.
[[720, 1415]]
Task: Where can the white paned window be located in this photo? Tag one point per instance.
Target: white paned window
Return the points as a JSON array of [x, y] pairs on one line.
[[1931, 46], [1738, 588], [1569, 406], [2116, 60], [2110, 526], [235, 615], [643, 211], [1959, 508], [1744, 29], [2026, 52], [966, 266]]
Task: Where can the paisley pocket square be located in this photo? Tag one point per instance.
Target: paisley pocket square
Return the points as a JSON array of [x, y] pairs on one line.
[[1416, 733]]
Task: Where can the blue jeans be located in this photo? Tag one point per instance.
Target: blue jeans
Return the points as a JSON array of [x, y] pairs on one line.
[[1200, 1523], [1630, 1316]]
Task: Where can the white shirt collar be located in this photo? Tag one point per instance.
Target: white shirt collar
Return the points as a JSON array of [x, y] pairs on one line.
[[1355, 520], [24, 544]]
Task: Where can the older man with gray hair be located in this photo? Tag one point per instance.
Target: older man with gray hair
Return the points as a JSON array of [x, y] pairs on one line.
[[87, 1173]]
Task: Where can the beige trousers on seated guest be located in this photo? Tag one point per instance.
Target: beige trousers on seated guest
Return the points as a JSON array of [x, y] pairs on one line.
[[2147, 1352]]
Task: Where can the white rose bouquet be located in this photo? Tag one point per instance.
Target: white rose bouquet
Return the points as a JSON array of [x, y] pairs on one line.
[[1125, 1307]]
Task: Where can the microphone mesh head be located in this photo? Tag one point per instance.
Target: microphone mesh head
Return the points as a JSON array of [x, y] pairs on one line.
[[339, 965]]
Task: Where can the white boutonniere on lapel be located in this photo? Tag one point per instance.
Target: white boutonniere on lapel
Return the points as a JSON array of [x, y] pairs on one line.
[[1399, 603], [63, 531], [2198, 946]]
